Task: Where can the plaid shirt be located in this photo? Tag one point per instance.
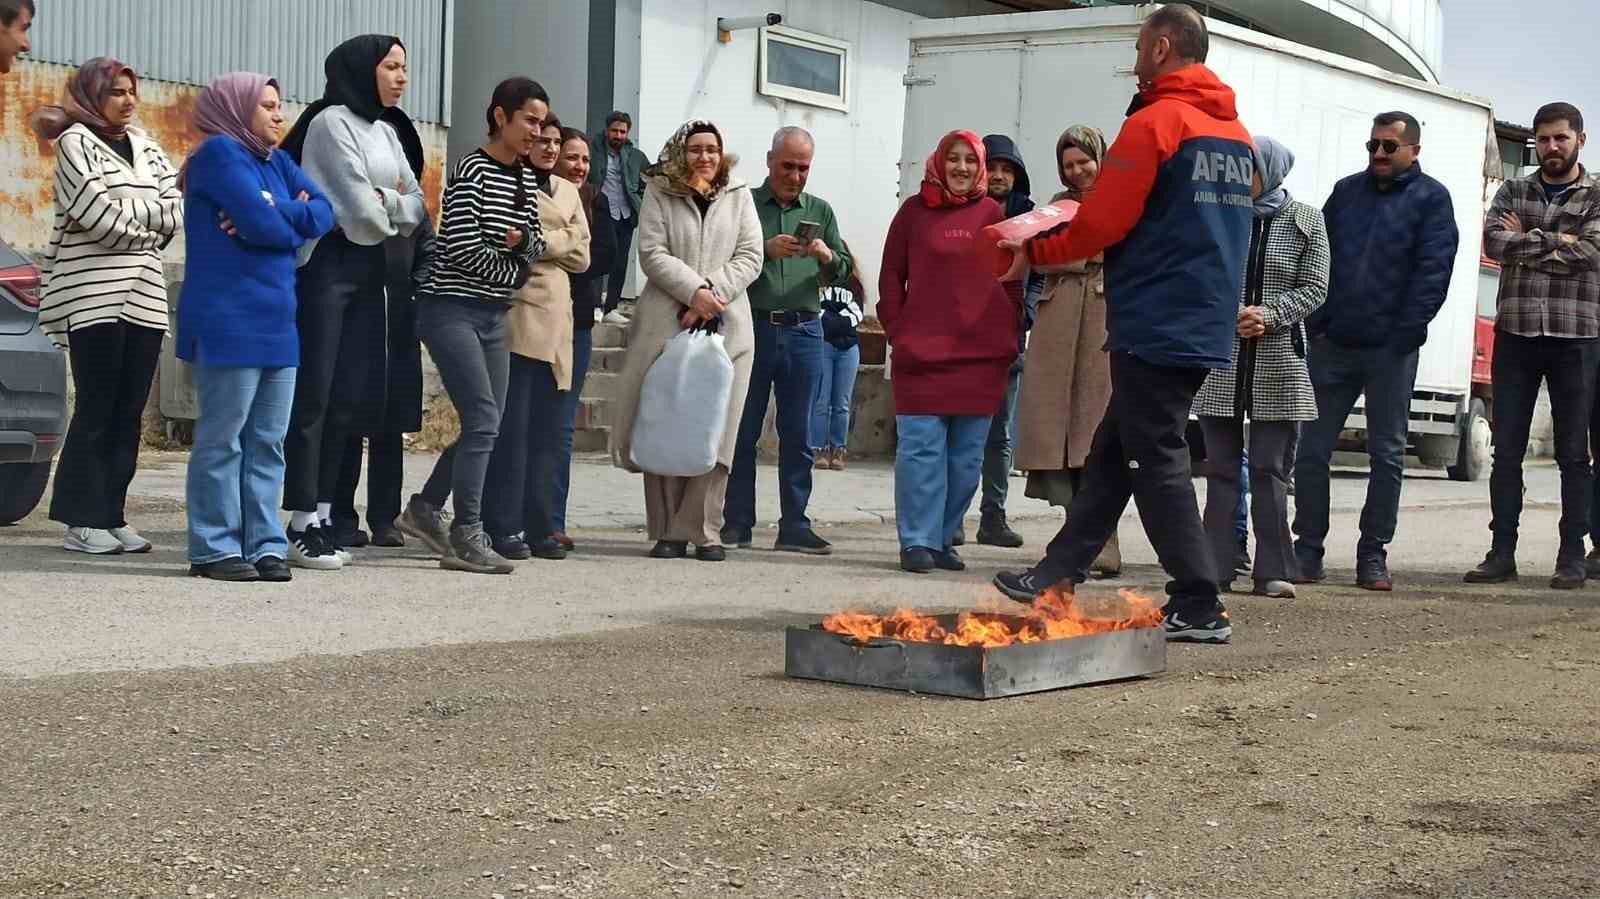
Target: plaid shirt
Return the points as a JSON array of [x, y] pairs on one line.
[[1548, 287]]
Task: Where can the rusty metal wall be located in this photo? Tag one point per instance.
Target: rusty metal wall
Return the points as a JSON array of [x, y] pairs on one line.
[[27, 165], [193, 41]]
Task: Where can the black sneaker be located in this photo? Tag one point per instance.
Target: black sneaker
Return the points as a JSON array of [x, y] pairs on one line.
[[806, 542], [1310, 565], [711, 553], [960, 539], [1372, 573], [308, 550], [274, 570], [387, 535], [350, 535], [994, 530], [1496, 568], [917, 560], [669, 549], [1591, 563], [1187, 625], [548, 548], [330, 539], [949, 560], [1241, 562], [470, 551], [232, 569], [1570, 573], [513, 548], [738, 538], [1020, 586], [426, 523]]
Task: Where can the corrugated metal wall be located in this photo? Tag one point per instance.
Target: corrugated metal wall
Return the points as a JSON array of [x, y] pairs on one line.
[[193, 41]]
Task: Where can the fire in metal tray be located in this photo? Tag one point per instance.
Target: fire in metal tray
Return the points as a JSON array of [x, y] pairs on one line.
[[1054, 615]]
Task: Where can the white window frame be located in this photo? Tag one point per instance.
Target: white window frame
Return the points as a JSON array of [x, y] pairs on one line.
[[809, 41]]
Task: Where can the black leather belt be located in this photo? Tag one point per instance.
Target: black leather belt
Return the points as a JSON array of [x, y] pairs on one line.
[[790, 319]]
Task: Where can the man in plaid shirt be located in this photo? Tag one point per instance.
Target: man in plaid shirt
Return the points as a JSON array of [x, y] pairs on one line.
[[1545, 230]]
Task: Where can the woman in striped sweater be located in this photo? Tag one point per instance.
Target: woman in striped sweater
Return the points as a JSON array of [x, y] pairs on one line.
[[104, 298], [489, 237]]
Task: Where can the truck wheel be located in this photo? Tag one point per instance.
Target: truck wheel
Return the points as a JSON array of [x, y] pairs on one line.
[[21, 485], [1477, 445]]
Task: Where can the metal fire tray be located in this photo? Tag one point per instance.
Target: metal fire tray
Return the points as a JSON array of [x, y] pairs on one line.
[[974, 672]]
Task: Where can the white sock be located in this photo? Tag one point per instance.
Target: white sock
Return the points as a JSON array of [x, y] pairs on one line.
[[325, 513], [299, 521]]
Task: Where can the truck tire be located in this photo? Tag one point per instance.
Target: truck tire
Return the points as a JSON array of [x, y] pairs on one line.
[[21, 486], [1477, 445]]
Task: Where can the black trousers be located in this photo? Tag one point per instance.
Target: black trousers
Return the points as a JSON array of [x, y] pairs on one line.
[[1140, 451], [619, 263], [342, 317], [519, 491], [112, 367], [1568, 366], [386, 470]]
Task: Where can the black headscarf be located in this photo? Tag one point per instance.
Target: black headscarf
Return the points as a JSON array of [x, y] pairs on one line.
[[352, 73]]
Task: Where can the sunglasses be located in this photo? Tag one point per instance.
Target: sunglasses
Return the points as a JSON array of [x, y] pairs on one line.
[[1389, 146]]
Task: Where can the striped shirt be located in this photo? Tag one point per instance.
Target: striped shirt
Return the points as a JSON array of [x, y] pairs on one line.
[[483, 201], [112, 221], [1548, 287]]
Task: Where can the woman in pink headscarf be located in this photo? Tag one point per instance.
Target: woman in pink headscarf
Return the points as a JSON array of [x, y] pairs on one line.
[[953, 330], [247, 210]]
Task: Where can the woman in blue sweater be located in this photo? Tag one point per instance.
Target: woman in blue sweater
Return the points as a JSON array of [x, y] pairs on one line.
[[247, 210]]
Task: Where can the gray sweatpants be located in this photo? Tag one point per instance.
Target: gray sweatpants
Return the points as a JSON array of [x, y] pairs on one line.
[[467, 339]]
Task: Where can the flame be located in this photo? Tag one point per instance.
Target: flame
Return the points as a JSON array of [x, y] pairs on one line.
[[1054, 615]]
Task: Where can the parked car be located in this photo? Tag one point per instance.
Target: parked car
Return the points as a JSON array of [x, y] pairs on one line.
[[33, 390]]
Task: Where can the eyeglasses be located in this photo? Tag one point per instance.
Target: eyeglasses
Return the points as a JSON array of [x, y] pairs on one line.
[[1389, 146]]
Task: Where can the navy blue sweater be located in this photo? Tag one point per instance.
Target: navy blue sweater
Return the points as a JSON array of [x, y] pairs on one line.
[[238, 304], [1393, 251]]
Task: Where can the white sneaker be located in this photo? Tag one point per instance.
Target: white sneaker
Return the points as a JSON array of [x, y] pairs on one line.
[[615, 317], [132, 541], [94, 541], [308, 550]]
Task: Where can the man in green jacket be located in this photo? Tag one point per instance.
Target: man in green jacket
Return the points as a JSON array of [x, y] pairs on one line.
[[618, 172], [802, 242]]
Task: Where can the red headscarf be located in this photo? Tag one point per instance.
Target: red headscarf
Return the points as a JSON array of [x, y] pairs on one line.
[[935, 192], [86, 93]]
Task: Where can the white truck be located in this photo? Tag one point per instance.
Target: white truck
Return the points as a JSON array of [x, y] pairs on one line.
[[1031, 75]]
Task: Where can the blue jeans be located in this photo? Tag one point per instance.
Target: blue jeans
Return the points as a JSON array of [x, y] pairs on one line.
[[236, 467], [830, 419], [1241, 512], [582, 352], [1340, 374], [937, 462], [997, 452], [788, 364]]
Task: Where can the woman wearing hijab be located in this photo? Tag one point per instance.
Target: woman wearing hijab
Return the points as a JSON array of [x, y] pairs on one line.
[[1286, 279], [517, 513], [1067, 384], [247, 210], [489, 236], [954, 331], [700, 247], [104, 297], [350, 143], [574, 165]]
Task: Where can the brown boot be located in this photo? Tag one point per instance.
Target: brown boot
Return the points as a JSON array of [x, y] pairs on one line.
[[837, 462], [824, 460]]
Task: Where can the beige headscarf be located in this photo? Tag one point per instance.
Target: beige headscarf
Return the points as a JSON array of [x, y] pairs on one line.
[[82, 101], [672, 172], [1093, 145]]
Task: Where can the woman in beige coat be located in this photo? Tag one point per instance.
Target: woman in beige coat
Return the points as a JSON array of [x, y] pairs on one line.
[[1066, 384], [699, 246], [522, 471]]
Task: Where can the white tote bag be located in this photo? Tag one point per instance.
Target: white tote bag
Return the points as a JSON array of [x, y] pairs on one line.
[[683, 407]]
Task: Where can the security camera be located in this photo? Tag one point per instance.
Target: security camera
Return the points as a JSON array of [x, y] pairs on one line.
[[740, 23]]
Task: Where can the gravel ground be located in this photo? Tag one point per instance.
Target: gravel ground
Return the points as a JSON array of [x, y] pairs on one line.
[[1440, 741]]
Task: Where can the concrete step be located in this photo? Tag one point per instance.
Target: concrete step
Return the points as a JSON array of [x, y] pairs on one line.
[[608, 360], [592, 413], [610, 336], [601, 385], [591, 440]]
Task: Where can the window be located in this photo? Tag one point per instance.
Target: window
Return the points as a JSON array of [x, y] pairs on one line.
[[808, 68]]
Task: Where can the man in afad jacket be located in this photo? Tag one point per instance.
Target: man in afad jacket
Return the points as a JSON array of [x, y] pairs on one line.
[[1392, 232], [1172, 213]]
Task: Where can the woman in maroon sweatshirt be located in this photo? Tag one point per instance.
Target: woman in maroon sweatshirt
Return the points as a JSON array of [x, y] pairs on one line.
[[953, 331]]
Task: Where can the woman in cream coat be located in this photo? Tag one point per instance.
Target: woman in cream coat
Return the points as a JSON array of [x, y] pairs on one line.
[[522, 471], [700, 247]]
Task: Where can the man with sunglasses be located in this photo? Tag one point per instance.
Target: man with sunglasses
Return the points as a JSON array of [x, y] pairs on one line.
[[1545, 231], [1393, 236]]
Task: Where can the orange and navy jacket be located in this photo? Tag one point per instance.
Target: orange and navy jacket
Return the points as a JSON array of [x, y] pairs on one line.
[[1172, 212]]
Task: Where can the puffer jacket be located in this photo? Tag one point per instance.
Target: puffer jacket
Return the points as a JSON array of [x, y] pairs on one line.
[[1393, 250]]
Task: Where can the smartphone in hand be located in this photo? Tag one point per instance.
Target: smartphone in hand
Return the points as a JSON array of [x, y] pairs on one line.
[[806, 232]]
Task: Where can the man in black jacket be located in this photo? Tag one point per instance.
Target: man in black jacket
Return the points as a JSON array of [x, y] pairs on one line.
[[1393, 236]]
